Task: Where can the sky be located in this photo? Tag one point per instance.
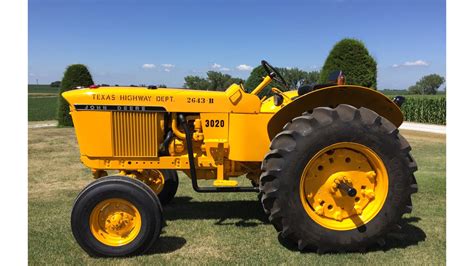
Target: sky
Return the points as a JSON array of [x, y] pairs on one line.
[[160, 42]]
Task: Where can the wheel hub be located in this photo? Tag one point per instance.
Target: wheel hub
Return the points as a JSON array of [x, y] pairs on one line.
[[332, 202], [344, 186], [115, 222]]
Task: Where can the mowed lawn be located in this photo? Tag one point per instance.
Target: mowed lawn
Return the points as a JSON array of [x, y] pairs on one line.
[[220, 228]]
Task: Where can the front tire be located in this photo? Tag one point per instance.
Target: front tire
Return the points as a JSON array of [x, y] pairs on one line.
[[116, 216], [318, 151]]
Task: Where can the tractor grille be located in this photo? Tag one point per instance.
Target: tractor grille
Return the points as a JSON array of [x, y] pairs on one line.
[[135, 134]]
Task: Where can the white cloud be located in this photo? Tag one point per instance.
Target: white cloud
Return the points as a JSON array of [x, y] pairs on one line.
[[219, 67], [416, 63], [244, 67], [167, 65], [148, 66], [167, 69], [412, 63]]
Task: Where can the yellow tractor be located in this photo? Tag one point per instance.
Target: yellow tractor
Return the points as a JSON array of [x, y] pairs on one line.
[[331, 169]]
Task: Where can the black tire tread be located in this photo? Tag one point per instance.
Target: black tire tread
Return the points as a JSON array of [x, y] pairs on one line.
[[302, 126], [129, 181]]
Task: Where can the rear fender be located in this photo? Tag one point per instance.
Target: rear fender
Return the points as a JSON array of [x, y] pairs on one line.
[[356, 96]]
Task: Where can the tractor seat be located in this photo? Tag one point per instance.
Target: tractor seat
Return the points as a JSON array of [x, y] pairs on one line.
[[335, 78], [312, 87]]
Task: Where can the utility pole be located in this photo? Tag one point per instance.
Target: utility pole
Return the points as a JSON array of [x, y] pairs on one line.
[[36, 81]]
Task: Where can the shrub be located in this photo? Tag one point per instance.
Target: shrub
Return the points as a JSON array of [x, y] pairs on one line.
[[55, 84], [74, 76], [352, 57]]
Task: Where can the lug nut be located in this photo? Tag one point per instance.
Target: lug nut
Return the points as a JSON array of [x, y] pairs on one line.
[[358, 209], [338, 216], [371, 175], [369, 193], [319, 210]]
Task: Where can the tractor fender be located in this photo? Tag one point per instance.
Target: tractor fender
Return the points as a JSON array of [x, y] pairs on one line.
[[356, 96]]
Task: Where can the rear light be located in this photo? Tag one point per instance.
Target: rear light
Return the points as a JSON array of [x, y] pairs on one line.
[[93, 86]]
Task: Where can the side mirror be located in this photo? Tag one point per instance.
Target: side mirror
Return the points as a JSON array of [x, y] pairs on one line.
[[277, 99]]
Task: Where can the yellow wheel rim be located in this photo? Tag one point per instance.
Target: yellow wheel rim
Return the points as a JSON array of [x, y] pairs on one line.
[[153, 178], [354, 165], [115, 222]]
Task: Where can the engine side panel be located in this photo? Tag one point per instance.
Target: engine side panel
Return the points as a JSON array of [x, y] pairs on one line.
[[248, 139]]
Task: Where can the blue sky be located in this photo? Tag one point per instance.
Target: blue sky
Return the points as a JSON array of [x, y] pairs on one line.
[[154, 42]]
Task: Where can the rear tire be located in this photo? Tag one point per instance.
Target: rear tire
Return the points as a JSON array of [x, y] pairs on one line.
[[307, 136], [116, 216]]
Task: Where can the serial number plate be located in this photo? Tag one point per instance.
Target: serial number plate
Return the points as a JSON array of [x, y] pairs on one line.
[[200, 100], [214, 123]]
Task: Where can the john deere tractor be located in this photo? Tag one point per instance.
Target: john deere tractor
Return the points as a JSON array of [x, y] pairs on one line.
[[331, 169]]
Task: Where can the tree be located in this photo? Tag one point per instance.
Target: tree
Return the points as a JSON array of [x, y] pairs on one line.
[[256, 77], [215, 81], [220, 82], [55, 84], [296, 77], [196, 83], [413, 89], [352, 57], [292, 76], [162, 86], [427, 85], [74, 76]]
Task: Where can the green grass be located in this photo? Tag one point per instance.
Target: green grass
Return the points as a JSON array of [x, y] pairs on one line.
[[42, 108], [219, 228]]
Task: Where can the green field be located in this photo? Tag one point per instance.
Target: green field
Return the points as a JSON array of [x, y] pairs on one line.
[[220, 228], [406, 94], [42, 108], [42, 89], [42, 102]]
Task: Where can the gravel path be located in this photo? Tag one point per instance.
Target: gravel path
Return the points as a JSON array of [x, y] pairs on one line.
[[41, 124], [439, 129], [406, 125]]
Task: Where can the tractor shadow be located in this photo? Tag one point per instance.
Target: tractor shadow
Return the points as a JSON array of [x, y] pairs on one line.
[[166, 244], [249, 212], [408, 235]]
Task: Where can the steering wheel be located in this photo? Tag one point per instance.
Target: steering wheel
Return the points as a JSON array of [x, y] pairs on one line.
[[274, 74]]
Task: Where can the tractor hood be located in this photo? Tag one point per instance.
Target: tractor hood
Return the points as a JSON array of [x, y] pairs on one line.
[[234, 99]]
